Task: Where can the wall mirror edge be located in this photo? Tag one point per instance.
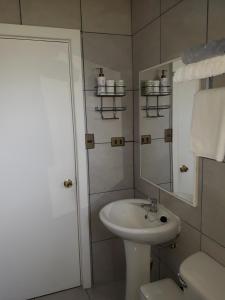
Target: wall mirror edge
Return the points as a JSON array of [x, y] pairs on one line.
[[193, 199]]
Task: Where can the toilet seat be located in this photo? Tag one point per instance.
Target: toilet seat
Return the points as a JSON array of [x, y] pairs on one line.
[[165, 289]]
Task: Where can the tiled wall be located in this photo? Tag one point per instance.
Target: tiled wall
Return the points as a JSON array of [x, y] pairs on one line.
[[107, 43], [161, 31]]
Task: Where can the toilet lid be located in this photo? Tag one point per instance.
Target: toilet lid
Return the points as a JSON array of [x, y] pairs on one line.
[[165, 289]]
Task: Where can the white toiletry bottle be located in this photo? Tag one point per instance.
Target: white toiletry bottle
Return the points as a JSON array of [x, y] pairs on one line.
[[101, 82], [110, 87], [120, 87], [164, 88]]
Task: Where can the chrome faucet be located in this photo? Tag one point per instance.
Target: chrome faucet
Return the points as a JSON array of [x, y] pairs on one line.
[[152, 205]]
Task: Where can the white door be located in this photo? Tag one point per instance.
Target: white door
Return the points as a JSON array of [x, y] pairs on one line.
[[39, 251], [183, 100]]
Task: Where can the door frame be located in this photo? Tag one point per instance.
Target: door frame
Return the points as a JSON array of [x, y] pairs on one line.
[[73, 38]]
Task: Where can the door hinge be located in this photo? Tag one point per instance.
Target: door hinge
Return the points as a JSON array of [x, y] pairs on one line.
[[90, 140]]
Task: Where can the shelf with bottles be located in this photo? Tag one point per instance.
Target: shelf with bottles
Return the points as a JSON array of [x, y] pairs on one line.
[[155, 88], [156, 94], [111, 89], [148, 88]]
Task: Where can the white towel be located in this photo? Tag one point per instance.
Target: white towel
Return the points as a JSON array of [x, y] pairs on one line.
[[208, 124], [203, 69]]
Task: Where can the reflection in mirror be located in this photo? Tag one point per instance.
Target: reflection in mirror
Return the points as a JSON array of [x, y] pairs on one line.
[[165, 111]]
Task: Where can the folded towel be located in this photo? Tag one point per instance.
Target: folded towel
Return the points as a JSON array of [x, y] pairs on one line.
[[208, 124], [207, 68], [201, 52]]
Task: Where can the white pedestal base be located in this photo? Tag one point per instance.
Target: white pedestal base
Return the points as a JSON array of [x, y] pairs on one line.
[[138, 257]]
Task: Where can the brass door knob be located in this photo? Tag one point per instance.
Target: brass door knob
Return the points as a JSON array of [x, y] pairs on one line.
[[68, 183], [183, 169]]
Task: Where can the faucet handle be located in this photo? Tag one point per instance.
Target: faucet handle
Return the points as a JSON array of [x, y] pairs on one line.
[[154, 204]]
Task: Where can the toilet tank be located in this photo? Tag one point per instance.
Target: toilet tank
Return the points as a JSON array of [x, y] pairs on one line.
[[204, 277]]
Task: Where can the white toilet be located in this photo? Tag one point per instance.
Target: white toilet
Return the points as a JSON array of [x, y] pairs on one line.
[[201, 276]]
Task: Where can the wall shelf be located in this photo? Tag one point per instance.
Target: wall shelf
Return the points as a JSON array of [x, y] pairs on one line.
[[114, 108], [157, 108]]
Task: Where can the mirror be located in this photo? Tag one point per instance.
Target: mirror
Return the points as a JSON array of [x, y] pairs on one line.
[[165, 112]]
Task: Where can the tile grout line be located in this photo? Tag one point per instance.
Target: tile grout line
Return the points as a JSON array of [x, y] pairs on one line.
[[156, 18], [132, 62], [207, 23], [106, 239], [87, 152], [201, 198], [160, 33], [20, 12], [111, 191], [107, 33]]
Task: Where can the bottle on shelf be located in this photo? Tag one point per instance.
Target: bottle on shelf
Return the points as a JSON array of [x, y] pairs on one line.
[[110, 86], [164, 85], [101, 82], [120, 87]]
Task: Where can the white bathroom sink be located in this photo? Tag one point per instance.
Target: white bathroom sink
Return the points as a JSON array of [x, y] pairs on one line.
[[127, 219]]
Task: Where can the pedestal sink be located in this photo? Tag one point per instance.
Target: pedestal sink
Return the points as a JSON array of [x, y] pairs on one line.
[[131, 220]]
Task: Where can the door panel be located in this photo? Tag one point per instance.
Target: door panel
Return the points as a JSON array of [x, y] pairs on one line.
[[38, 216]]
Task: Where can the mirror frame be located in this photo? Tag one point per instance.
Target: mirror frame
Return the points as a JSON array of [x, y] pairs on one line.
[[194, 202]]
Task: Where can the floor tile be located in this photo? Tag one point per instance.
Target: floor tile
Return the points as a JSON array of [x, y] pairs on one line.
[[112, 291], [72, 294]]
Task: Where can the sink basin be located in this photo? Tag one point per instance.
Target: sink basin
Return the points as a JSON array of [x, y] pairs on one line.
[[127, 219], [131, 220]]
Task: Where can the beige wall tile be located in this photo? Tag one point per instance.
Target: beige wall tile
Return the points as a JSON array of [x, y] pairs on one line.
[[154, 268], [143, 12], [216, 28], [165, 272], [186, 212], [10, 11], [53, 13], [97, 202], [213, 200], [139, 195], [213, 249], [111, 52], [187, 243], [108, 261], [106, 16], [166, 4], [182, 27], [110, 168], [146, 49]]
